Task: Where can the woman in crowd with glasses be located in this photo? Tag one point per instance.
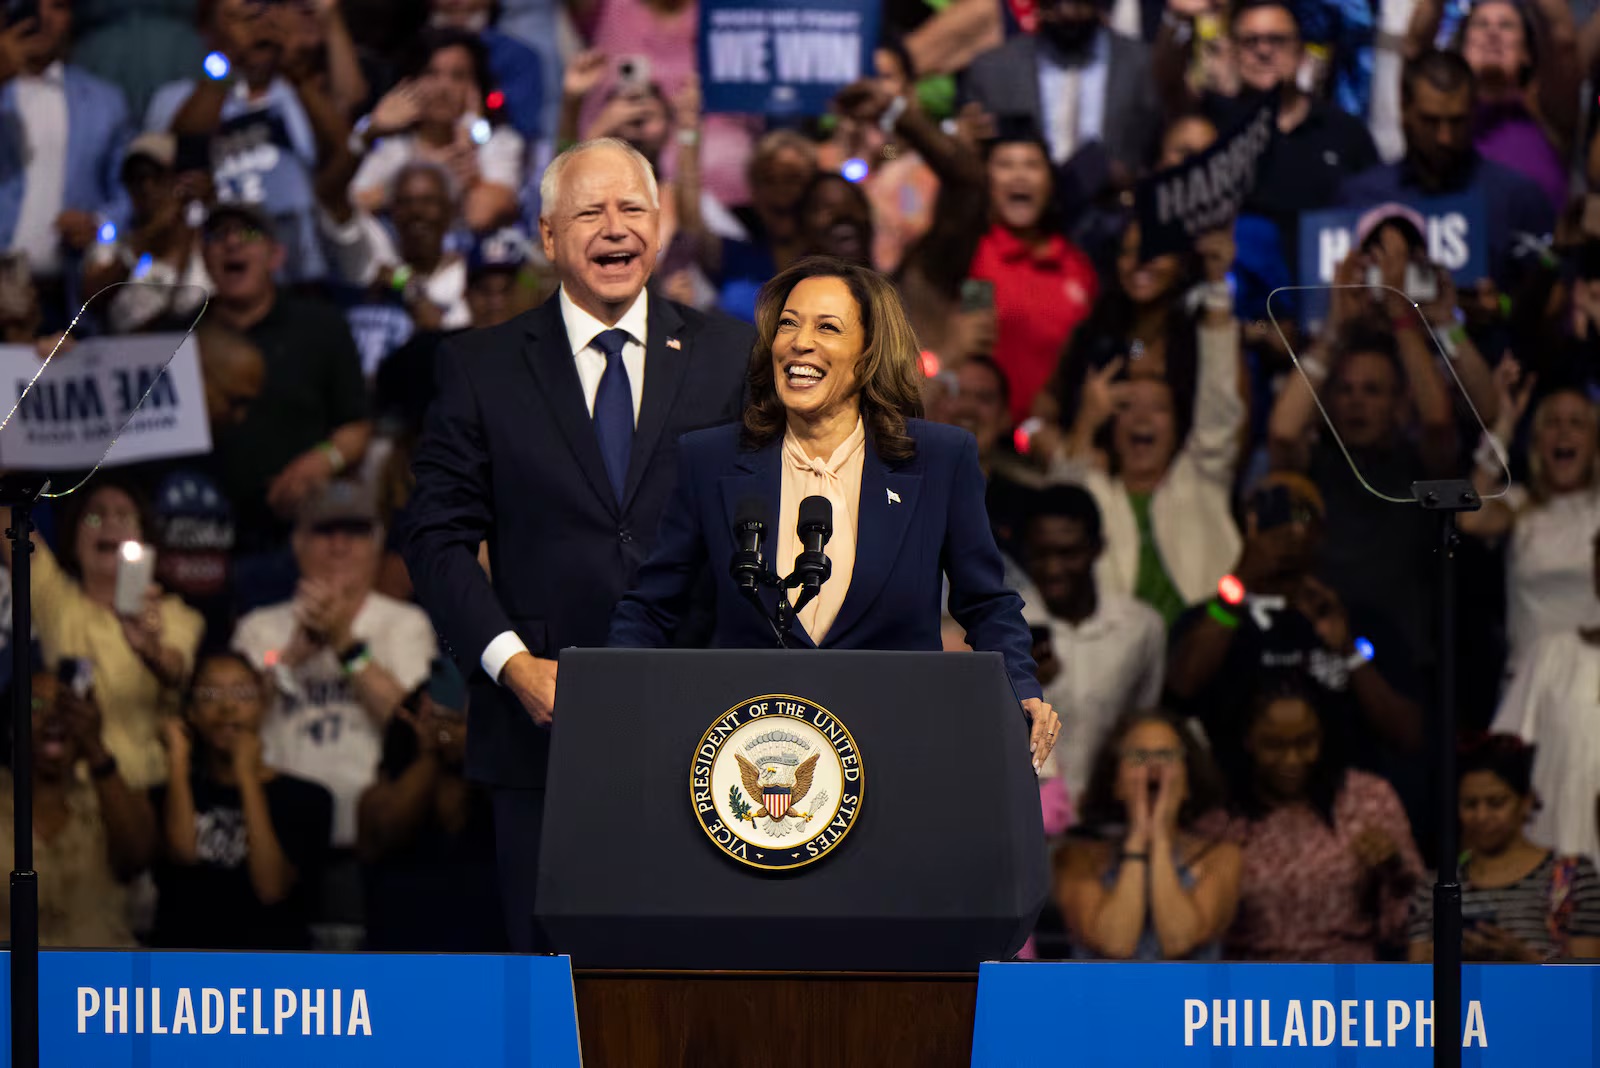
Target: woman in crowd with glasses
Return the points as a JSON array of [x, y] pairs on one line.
[[1141, 882], [1329, 862], [242, 843]]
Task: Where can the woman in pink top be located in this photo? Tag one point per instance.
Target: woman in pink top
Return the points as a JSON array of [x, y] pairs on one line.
[[1329, 863], [661, 33]]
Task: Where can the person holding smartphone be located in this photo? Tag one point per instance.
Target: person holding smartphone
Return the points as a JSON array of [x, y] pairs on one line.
[[426, 834], [439, 114], [1521, 901], [92, 833], [139, 648], [161, 246], [1288, 619]]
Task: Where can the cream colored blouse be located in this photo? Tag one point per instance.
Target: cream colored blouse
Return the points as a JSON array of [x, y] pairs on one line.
[[838, 479]]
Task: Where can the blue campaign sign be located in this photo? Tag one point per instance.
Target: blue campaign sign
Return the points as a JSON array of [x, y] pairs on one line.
[[1457, 240], [1250, 1015], [774, 57], [170, 1009]]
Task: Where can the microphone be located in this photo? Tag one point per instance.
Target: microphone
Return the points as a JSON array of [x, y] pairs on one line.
[[749, 525], [812, 567], [748, 567]]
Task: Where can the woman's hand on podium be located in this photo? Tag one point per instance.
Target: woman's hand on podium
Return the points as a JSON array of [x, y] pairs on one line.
[[533, 680], [1046, 725]]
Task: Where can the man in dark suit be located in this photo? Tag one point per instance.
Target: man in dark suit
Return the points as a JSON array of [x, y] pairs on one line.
[[1079, 82], [554, 438]]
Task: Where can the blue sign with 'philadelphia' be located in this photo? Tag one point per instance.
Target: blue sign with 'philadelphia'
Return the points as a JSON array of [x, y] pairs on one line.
[[772, 57], [157, 1010], [1264, 1015]]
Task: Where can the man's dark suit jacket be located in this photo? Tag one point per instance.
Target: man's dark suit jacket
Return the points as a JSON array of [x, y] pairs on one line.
[[916, 523], [1005, 80], [508, 456]]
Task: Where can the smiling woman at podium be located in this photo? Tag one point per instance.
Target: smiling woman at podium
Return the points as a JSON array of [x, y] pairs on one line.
[[831, 448]]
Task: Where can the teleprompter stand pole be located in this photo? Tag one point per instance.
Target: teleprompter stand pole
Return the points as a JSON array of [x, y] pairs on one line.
[[20, 492], [1445, 499]]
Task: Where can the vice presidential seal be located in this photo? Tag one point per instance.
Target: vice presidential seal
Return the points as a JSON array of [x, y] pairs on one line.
[[776, 782]]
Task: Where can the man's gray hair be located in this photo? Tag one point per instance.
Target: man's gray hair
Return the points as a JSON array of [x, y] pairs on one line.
[[550, 182]]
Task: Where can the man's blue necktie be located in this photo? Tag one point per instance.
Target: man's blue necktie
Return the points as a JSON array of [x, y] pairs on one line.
[[613, 410]]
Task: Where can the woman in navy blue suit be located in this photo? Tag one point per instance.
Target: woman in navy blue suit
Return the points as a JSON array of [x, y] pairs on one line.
[[835, 389]]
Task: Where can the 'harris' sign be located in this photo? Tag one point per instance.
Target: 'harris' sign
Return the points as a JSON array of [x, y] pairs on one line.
[[1456, 236]]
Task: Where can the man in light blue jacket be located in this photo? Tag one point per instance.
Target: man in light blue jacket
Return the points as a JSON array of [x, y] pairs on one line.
[[63, 133]]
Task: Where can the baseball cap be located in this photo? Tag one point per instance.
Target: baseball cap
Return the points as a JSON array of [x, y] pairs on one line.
[[506, 249], [162, 148], [253, 214], [339, 503]]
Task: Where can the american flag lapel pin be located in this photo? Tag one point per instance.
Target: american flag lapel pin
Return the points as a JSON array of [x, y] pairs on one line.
[[894, 498], [674, 343]]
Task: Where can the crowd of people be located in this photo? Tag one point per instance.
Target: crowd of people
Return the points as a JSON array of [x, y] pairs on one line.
[[1199, 478]]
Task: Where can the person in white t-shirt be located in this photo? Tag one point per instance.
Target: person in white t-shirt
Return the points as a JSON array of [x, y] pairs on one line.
[[1111, 648], [341, 658]]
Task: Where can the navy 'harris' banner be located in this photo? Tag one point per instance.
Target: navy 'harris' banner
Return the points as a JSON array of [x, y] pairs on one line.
[[1264, 1015], [1205, 191], [157, 1010], [1457, 241], [773, 57]]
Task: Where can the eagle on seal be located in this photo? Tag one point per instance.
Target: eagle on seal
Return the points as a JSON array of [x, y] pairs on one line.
[[759, 781]]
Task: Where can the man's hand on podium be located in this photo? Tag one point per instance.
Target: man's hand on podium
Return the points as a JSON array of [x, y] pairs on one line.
[[1046, 725], [533, 680]]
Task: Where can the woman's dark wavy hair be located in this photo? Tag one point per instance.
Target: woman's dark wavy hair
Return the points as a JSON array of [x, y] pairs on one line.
[[890, 368], [1505, 756], [436, 39], [1100, 811], [77, 506], [1103, 336], [1328, 775]]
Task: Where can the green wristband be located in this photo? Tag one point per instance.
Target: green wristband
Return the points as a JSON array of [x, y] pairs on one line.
[[1221, 615]]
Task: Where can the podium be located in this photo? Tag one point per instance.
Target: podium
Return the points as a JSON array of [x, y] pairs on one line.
[[940, 866]]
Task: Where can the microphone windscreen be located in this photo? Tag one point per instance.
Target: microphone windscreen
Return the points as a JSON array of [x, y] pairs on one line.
[[816, 513], [752, 512]]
